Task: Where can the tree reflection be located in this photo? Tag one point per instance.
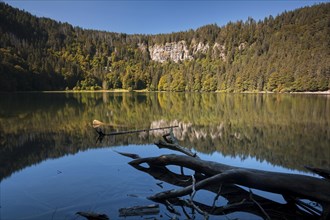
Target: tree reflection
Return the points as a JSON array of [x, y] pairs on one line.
[[285, 130]]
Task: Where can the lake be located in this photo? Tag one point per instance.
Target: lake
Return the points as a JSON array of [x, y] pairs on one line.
[[52, 166]]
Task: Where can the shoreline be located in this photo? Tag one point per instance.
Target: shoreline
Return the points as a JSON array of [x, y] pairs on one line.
[[317, 92], [147, 91]]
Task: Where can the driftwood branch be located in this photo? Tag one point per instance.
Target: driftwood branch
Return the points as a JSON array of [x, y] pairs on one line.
[[238, 198], [101, 134], [170, 142], [139, 210], [175, 147], [224, 180], [260, 207], [191, 201], [133, 156], [93, 216], [282, 183]]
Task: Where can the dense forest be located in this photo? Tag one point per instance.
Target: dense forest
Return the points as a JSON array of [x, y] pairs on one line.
[[287, 53]]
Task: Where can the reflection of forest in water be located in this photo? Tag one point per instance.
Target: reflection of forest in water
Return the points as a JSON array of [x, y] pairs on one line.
[[286, 130]]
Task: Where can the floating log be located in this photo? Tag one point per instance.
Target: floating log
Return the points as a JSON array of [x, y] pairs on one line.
[[102, 134], [139, 210], [224, 180], [238, 198], [294, 184], [93, 216]]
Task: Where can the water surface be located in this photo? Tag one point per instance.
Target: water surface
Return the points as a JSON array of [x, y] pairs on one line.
[[51, 166]]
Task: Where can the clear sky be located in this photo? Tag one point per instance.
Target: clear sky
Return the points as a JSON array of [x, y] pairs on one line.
[[154, 16]]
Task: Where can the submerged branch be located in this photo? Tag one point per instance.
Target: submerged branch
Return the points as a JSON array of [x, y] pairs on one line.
[[238, 199], [93, 216], [139, 210], [282, 183], [224, 181], [100, 132]]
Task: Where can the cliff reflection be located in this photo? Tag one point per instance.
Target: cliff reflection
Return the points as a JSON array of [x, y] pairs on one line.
[[286, 130]]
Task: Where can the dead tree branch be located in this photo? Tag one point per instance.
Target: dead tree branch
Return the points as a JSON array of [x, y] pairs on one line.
[[224, 180], [312, 188]]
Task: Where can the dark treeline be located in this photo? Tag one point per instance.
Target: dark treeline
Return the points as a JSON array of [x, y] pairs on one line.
[[287, 53]]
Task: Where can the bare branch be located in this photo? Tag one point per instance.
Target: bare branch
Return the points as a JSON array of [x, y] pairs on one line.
[[260, 207], [133, 156], [192, 188], [313, 188], [216, 197], [139, 210], [171, 208], [224, 180], [175, 147], [191, 201]]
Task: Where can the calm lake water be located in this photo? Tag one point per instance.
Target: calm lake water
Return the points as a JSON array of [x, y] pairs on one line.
[[52, 167]]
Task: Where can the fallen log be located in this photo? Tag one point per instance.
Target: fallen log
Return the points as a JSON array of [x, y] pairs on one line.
[[93, 216], [238, 198], [101, 134], [213, 176], [282, 183], [139, 210]]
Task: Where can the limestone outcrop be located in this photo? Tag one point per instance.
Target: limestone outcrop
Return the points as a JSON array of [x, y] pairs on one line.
[[180, 51], [175, 51]]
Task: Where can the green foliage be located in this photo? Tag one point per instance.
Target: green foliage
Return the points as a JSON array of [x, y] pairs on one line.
[[87, 84], [287, 53], [164, 83], [279, 82]]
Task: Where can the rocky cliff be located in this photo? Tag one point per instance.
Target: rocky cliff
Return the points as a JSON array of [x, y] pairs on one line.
[[176, 51], [180, 51]]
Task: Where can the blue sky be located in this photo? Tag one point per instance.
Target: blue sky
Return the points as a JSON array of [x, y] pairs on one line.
[[154, 16]]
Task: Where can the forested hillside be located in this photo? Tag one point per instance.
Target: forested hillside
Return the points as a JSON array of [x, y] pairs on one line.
[[287, 53]]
